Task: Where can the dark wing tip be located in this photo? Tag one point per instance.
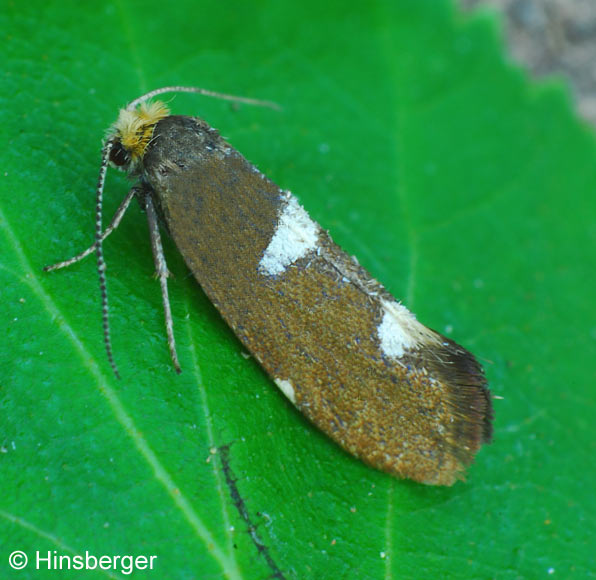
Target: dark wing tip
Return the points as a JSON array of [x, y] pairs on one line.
[[470, 401]]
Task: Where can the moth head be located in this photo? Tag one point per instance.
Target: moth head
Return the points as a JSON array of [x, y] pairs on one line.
[[132, 132]]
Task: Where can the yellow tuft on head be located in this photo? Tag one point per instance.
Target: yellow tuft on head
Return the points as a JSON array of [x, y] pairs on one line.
[[134, 128]]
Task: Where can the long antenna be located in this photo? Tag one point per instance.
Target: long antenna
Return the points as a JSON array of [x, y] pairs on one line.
[[101, 264], [206, 92]]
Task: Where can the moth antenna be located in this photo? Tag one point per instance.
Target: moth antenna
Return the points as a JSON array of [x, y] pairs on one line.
[[199, 90], [101, 264]]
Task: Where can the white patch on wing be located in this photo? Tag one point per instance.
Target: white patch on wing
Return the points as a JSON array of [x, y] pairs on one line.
[[295, 236], [286, 388], [400, 331]]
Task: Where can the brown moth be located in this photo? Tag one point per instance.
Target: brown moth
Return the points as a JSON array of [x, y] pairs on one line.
[[396, 394]]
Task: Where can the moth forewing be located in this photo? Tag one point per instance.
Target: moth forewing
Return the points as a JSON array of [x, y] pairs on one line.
[[354, 360]]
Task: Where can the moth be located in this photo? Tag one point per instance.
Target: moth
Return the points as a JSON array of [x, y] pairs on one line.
[[394, 393]]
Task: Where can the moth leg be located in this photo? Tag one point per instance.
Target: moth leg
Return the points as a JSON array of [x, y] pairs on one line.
[[161, 271], [113, 225]]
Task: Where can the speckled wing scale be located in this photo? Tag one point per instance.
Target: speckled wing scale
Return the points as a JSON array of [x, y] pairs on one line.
[[356, 362]]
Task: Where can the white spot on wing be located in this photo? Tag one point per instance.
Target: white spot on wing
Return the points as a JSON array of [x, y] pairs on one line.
[[400, 331], [286, 388], [295, 236]]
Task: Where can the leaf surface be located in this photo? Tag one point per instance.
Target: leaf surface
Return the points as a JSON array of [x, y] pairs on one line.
[[467, 189]]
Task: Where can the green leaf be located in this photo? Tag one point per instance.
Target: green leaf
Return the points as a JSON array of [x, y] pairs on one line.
[[463, 186]]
